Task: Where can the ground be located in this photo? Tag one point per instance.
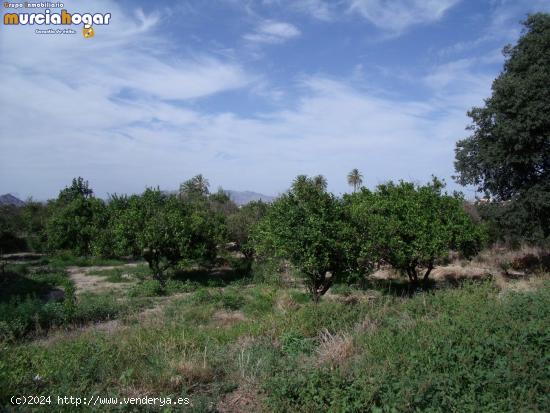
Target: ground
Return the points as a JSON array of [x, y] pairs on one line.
[[232, 344]]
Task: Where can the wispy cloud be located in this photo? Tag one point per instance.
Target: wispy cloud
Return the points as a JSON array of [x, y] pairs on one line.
[[130, 108], [318, 9], [398, 15], [272, 32]]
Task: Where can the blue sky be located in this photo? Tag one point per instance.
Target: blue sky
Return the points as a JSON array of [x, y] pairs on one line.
[[248, 93]]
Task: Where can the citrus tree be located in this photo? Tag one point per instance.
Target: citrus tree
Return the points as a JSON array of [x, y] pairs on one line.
[[77, 218], [307, 227], [410, 227], [164, 230], [241, 223]]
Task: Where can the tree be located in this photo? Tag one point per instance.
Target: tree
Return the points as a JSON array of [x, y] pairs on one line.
[[221, 203], [198, 186], [320, 182], [307, 227], [164, 230], [35, 216], [241, 225], [77, 217], [508, 154], [10, 229], [411, 227], [78, 189], [355, 179]]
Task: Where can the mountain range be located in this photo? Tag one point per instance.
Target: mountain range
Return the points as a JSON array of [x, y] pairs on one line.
[[9, 199], [244, 197], [239, 197]]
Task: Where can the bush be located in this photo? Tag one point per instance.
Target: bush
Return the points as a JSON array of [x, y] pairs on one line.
[[147, 288]]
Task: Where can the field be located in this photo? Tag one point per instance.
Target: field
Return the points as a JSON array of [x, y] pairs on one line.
[[232, 340]]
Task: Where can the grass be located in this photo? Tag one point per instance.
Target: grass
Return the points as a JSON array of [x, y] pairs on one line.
[[125, 274], [470, 348], [35, 299], [63, 260]]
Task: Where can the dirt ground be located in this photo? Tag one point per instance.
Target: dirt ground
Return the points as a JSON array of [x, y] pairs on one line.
[[84, 282]]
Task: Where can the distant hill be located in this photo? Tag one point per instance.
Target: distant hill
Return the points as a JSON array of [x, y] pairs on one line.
[[240, 197], [244, 197], [9, 199]]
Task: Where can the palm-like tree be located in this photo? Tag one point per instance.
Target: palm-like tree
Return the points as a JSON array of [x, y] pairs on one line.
[[320, 182], [198, 185], [355, 179]]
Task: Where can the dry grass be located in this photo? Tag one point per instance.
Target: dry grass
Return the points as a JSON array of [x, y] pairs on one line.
[[286, 303], [334, 349], [368, 325], [243, 399], [192, 373], [224, 318], [499, 257]]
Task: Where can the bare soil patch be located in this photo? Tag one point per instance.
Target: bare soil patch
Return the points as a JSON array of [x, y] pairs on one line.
[[84, 282]]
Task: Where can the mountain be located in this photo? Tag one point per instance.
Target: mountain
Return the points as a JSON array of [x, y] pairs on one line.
[[244, 197], [9, 199]]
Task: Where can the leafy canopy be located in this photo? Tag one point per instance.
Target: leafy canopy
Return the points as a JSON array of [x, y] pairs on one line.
[[164, 230], [307, 226], [411, 227], [508, 154], [76, 220]]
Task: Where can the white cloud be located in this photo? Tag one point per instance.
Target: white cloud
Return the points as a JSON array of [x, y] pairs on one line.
[[271, 31], [318, 9], [104, 109], [398, 15]]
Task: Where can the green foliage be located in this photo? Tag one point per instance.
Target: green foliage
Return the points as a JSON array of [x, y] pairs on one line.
[[307, 226], [465, 350], [411, 227], [266, 270], [508, 154], [77, 218], [165, 230], [147, 288], [355, 179], [294, 343], [10, 225], [34, 216], [196, 187], [241, 223]]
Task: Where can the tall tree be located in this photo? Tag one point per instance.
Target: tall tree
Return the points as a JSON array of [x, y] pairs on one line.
[[355, 179], [196, 186], [508, 154]]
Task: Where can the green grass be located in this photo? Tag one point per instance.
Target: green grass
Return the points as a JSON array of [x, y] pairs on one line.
[[124, 274], [470, 348], [63, 260], [34, 300]]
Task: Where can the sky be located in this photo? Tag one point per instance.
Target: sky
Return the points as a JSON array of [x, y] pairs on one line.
[[250, 93]]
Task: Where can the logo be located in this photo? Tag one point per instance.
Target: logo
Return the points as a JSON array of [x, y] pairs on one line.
[[51, 18], [88, 31]]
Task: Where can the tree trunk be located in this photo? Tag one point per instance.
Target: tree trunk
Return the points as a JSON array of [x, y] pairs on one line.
[[427, 273], [320, 285]]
